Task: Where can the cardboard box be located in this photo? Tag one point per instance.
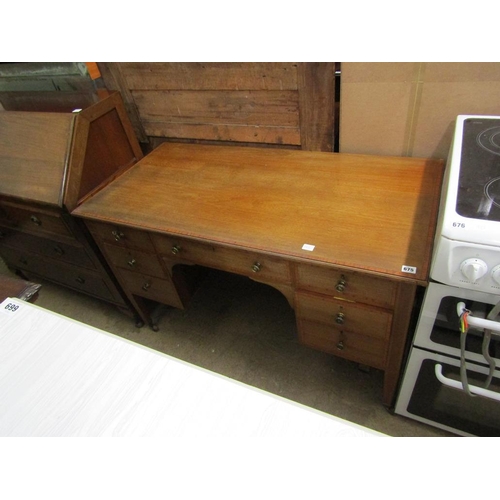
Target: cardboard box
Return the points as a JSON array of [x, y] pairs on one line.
[[409, 109]]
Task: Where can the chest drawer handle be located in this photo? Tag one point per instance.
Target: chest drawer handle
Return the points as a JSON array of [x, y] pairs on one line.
[[131, 262], [340, 318], [256, 267], [118, 235], [176, 249], [80, 280], [340, 287], [340, 345], [58, 250], [146, 286], [35, 220]]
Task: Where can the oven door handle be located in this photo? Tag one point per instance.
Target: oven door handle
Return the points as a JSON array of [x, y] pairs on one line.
[[481, 323], [458, 385]]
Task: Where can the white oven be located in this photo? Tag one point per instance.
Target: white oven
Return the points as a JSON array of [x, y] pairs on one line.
[[452, 378], [432, 389]]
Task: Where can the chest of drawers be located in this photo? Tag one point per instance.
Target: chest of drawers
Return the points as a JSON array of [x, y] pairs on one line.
[[293, 220], [49, 164]]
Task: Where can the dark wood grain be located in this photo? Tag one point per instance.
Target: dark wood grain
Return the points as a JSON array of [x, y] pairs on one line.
[[256, 103], [317, 105]]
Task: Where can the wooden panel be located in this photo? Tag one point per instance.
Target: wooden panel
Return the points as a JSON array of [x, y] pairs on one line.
[[210, 76], [108, 150], [114, 80], [246, 116], [34, 146], [251, 103], [401, 320], [278, 108], [317, 106], [104, 145]]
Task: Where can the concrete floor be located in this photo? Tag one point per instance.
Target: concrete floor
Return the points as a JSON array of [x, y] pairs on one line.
[[246, 331]]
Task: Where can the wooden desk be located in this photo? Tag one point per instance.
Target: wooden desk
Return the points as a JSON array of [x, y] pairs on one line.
[[59, 377], [346, 238]]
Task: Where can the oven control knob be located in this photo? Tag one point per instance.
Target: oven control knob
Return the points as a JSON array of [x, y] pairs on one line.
[[495, 274], [473, 269]]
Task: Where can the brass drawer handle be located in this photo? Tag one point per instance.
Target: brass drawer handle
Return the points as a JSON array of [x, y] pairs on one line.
[[340, 345], [36, 220], [131, 262], [176, 249], [340, 287], [340, 318], [146, 286], [80, 280], [118, 235], [256, 267], [58, 250]]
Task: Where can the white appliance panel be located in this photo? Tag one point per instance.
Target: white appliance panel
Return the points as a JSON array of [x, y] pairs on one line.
[[423, 397]]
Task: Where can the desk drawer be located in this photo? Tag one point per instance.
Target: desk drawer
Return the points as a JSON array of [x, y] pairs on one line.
[[252, 264], [349, 345], [134, 260], [150, 287], [120, 235], [357, 287], [63, 252], [37, 221], [359, 318]]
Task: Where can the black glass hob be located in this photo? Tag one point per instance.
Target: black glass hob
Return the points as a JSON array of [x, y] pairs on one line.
[[478, 194]]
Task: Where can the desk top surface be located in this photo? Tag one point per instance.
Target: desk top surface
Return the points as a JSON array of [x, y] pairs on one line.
[[370, 213], [59, 377]]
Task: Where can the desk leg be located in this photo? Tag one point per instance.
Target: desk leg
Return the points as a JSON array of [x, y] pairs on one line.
[[399, 333]]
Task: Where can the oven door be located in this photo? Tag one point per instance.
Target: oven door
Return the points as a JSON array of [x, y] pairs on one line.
[[431, 393], [438, 324]]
